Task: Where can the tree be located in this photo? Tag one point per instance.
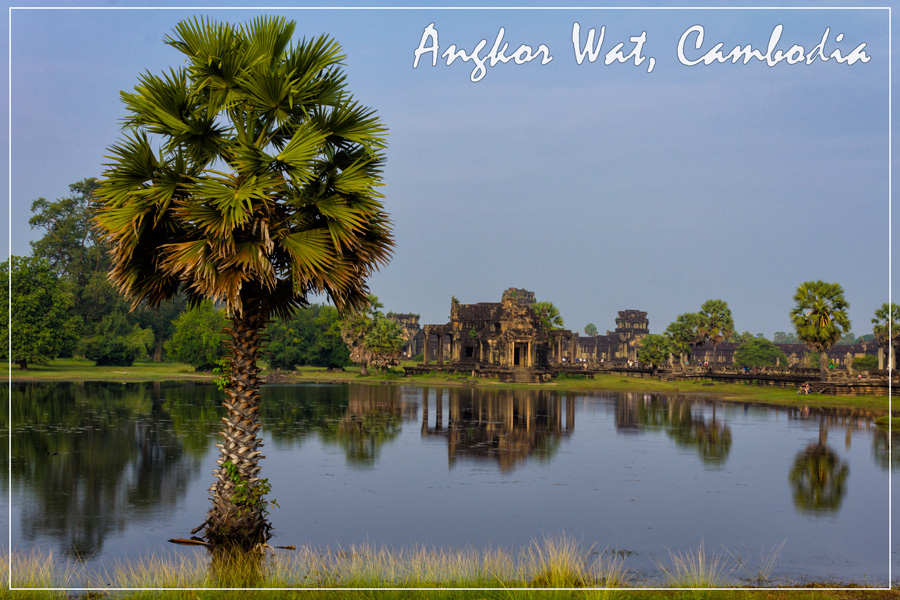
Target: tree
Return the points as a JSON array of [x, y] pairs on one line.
[[744, 336], [886, 330], [549, 315], [757, 353], [684, 334], [264, 190], [70, 244], [785, 338], [311, 336], [373, 339], [716, 322], [590, 329], [41, 325], [199, 338], [654, 349], [820, 317], [117, 342], [848, 339], [384, 342]]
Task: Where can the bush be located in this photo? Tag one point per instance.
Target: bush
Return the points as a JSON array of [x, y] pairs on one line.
[[310, 337], [865, 362], [117, 343], [418, 357], [758, 352], [198, 339]]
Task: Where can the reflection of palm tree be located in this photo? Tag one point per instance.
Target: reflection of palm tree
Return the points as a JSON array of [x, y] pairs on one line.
[[886, 458], [818, 476]]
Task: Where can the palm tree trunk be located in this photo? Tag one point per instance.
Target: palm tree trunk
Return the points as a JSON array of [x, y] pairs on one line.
[[880, 358], [238, 513]]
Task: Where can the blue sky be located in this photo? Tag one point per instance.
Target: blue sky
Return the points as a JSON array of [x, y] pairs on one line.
[[599, 187]]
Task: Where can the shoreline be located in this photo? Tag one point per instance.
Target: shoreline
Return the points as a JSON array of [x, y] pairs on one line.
[[74, 370]]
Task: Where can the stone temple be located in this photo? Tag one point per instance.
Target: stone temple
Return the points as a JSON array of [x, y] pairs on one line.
[[508, 339]]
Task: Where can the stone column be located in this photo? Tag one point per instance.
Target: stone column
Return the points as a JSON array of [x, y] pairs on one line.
[[425, 350], [441, 349]]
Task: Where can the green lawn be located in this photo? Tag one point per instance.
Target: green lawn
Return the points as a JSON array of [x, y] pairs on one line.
[[74, 369], [70, 369]]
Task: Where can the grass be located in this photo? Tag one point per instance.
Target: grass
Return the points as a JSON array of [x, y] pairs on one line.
[[696, 570], [75, 369], [83, 370], [554, 562]]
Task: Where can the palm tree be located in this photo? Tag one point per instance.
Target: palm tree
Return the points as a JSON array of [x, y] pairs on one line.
[[549, 315], [820, 317], [716, 322], [263, 190], [886, 330]]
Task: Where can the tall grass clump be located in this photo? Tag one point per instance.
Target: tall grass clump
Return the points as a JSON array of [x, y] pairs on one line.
[[695, 569], [367, 566], [563, 562], [762, 574], [36, 570]]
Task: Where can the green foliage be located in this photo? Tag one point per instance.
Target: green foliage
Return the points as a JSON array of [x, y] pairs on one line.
[[865, 362], [199, 338], [654, 349], [247, 175], [590, 329], [757, 353], [41, 323], [117, 342], [820, 314], [311, 336], [717, 323], [684, 333], [886, 323], [372, 338], [744, 336], [549, 315], [785, 338], [848, 339], [384, 341], [247, 495], [70, 245]]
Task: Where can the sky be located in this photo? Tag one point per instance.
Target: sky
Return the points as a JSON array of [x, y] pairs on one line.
[[644, 179]]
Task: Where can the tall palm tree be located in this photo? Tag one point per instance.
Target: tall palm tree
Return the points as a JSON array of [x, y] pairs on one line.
[[264, 189], [820, 317], [887, 330], [717, 323]]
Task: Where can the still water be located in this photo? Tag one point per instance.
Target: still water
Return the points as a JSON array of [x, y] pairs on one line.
[[104, 471]]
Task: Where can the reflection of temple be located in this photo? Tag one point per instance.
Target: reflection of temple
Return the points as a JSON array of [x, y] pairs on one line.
[[508, 339], [506, 426]]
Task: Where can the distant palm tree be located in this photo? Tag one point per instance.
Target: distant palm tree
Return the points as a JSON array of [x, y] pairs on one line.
[[549, 315], [886, 330], [717, 323], [263, 191], [820, 317]]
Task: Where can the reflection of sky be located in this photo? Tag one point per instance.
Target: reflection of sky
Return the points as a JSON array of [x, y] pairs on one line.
[[638, 492], [598, 187]]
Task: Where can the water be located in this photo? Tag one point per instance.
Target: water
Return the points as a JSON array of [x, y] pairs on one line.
[[104, 472]]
